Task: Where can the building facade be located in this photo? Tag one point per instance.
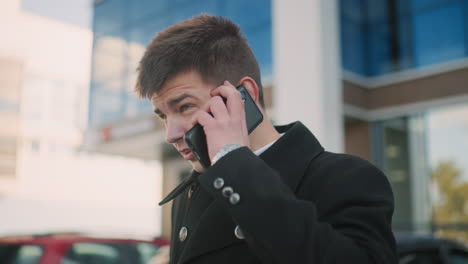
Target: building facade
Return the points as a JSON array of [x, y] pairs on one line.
[[382, 79], [45, 66]]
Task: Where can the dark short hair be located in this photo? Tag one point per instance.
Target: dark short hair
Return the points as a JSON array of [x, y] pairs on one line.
[[212, 46]]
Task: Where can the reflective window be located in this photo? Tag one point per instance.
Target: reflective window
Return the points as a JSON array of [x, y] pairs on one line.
[[352, 36], [439, 34], [448, 164], [106, 105], [384, 36], [108, 16], [424, 157], [141, 10], [123, 29], [379, 49], [191, 8], [392, 155], [424, 3]]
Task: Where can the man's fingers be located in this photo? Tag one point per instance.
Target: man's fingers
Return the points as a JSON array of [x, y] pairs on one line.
[[234, 99], [202, 118], [218, 108]]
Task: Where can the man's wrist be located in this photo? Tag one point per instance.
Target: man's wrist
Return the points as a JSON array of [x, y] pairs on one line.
[[224, 151]]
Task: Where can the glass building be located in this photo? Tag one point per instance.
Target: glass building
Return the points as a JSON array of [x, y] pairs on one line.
[[403, 78], [122, 30], [385, 36]]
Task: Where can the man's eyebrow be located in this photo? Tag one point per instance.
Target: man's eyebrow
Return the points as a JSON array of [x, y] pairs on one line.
[[174, 101]]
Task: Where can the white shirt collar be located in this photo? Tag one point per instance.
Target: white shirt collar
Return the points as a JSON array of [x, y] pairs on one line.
[[259, 151]]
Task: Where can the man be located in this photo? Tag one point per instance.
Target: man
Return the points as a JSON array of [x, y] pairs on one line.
[[274, 196]]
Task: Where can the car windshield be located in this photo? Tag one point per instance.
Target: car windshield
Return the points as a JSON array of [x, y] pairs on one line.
[[86, 253], [113, 253], [20, 254]]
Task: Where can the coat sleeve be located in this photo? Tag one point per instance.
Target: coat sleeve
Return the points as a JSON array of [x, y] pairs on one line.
[[348, 220]]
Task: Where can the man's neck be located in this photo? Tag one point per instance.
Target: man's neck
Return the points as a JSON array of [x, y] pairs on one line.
[[263, 135]]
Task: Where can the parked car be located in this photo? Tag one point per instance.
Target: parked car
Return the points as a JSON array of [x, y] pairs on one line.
[[429, 249], [81, 249]]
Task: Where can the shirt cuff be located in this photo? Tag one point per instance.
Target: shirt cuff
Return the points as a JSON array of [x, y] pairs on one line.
[[225, 150]]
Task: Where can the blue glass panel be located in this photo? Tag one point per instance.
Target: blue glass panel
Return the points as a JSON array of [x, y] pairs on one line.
[[379, 49], [405, 35], [416, 4], [465, 17], [108, 16], [193, 8], [353, 10], [352, 47], [123, 39], [439, 35], [254, 19], [105, 105], [144, 106], [144, 31], [108, 58], [144, 9], [247, 13], [260, 42], [377, 11], [404, 7]]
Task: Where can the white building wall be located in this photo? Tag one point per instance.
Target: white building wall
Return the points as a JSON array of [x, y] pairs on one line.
[[306, 69], [57, 187]]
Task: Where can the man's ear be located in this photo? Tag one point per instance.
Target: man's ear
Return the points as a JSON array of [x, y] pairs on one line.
[[251, 87]]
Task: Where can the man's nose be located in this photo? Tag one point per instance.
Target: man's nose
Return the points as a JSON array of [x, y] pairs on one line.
[[174, 131]]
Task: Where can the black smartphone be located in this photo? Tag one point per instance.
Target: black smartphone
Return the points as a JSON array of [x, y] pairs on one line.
[[196, 140]]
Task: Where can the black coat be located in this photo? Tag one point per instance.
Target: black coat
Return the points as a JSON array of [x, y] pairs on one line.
[[298, 204]]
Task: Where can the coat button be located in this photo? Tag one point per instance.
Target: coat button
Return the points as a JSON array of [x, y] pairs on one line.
[[218, 183], [227, 191], [234, 198], [183, 234], [238, 233]]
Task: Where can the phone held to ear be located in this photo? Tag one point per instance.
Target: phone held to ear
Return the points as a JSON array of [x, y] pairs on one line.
[[195, 138]]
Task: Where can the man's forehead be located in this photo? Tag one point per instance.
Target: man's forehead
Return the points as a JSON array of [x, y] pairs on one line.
[[168, 94], [189, 83]]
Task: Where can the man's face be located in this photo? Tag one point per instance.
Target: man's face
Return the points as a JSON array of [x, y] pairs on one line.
[[176, 103]]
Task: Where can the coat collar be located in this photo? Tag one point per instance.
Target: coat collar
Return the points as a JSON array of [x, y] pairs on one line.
[[289, 156]]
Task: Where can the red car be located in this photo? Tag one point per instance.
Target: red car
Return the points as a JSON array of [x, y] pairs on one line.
[[81, 249]]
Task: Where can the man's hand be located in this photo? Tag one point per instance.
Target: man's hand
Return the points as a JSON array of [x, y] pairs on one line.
[[227, 125]]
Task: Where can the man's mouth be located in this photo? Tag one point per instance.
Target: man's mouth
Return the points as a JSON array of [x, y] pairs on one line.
[[187, 154]]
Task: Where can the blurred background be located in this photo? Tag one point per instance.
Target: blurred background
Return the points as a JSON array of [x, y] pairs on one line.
[[386, 80]]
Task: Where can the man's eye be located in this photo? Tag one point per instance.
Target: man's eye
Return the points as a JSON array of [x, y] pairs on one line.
[[185, 107]]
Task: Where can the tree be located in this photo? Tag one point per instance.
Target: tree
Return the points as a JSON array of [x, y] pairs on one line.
[[450, 212]]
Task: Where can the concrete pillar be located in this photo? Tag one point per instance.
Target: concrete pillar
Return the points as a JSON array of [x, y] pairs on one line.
[[307, 71]]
